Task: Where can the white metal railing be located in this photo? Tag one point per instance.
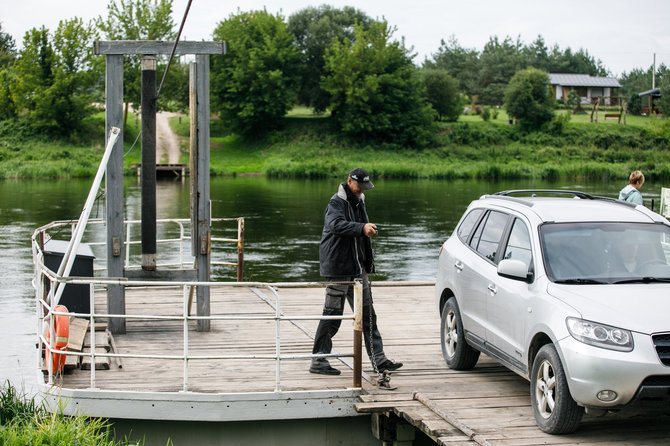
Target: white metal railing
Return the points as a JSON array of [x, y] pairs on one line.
[[183, 240], [45, 314]]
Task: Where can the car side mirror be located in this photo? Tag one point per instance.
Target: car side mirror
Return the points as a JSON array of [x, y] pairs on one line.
[[514, 269]]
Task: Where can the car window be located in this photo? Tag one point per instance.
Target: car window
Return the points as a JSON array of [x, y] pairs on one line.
[[468, 224], [610, 252], [518, 245], [488, 234]]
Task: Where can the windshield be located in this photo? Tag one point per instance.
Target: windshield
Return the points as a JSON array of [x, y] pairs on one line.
[[588, 253]]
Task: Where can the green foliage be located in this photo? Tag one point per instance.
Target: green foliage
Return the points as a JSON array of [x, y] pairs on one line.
[[442, 93], [486, 74], [54, 80], [15, 408], [255, 84], [486, 113], [639, 80], [498, 63], [8, 108], [574, 101], [7, 48], [528, 98], [664, 101], [314, 28], [559, 123], [461, 63], [376, 93], [137, 20], [24, 422]]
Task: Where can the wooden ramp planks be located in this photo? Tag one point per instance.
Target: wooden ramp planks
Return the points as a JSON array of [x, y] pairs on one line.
[[490, 401]]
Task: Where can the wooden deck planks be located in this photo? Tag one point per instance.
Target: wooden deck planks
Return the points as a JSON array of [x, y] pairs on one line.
[[490, 400]]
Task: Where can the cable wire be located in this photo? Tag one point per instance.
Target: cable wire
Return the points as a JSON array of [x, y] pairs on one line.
[[167, 68]]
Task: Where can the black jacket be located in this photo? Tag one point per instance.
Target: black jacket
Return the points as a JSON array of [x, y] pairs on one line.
[[342, 236]]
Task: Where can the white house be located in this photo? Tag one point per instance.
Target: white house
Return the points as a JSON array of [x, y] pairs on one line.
[[588, 87]]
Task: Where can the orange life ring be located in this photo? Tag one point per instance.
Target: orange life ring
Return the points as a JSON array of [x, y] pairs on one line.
[[62, 330]]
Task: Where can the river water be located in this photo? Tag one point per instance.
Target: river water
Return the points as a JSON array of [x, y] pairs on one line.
[[283, 223]]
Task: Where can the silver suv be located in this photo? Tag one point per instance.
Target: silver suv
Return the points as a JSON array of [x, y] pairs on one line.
[[568, 290]]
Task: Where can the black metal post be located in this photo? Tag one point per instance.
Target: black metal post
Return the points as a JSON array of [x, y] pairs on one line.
[[148, 96]]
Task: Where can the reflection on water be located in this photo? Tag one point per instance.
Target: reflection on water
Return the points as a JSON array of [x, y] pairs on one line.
[[283, 220]]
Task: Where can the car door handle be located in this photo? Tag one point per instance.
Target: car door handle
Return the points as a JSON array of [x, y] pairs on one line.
[[458, 265], [492, 288]]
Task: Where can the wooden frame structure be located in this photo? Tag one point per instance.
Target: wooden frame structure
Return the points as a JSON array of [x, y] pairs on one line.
[[200, 194]]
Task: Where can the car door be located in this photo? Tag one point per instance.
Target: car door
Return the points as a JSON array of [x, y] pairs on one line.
[[479, 270], [507, 302]]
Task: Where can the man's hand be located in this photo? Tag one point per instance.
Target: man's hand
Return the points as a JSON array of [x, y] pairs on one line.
[[369, 229]]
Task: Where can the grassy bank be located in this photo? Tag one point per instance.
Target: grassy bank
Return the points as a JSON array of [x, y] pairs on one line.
[[309, 147], [24, 422]]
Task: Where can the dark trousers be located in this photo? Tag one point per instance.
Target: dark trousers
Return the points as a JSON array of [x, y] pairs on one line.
[[334, 306]]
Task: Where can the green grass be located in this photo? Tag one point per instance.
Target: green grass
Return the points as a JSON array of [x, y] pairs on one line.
[[307, 146], [24, 422]]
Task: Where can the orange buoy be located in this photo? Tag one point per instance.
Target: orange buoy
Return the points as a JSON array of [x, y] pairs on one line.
[[62, 330]]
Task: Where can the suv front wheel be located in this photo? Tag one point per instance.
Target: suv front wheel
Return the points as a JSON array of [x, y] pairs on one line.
[[456, 352], [554, 409]]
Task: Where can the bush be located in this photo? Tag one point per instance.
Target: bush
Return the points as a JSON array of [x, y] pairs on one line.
[[486, 113], [528, 98]]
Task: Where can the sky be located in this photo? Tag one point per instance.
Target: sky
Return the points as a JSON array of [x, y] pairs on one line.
[[623, 34]]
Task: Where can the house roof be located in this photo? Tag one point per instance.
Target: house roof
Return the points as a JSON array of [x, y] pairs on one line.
[[654, 92], [582, 80]]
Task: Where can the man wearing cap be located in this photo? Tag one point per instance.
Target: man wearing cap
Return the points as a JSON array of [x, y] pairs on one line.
[[345, 254]]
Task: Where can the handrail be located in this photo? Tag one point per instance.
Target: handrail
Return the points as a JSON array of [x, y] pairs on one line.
[[184, 237], [44, 308]]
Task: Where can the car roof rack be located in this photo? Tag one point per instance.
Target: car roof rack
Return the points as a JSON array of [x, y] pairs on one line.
[[577, 194], [583, 195]]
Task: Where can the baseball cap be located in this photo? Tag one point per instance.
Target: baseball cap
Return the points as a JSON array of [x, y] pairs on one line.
[[362, 177]]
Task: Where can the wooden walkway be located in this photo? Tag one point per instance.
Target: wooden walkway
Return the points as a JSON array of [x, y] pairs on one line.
[[488, 405]]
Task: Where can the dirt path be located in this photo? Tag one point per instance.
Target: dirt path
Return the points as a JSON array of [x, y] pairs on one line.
[[167, 143]]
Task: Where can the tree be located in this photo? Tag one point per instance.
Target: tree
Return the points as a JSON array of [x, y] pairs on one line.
[[664, 101], [461, 63], [34, 69], [574, 101], [7, 48], [255, 84], [137, 20], [314, 28], [639, 80], [8, 108], [376, 92], [528, 98], [442, 93], [55, 78], [498, 63]]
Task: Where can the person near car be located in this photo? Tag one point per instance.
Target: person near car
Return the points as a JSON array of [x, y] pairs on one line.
[[631, 193], [345, 254]]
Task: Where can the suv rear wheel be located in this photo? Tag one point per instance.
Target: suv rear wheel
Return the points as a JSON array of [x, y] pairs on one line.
[[456, 352], [554, 409]]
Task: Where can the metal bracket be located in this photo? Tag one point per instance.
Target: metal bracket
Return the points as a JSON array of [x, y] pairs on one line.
[[116, 246], [384, 381]]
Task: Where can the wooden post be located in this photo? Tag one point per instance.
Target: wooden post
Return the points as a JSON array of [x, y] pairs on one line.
[[115, 50], [148, 178], [201, 181], [240, 250], [358, 332], [116, 300]]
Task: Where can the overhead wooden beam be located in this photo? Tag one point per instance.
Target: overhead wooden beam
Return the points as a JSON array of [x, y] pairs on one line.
[[107, 47]]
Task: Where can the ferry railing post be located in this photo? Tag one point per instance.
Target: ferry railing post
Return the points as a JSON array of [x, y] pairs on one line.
[[358, 331], [91, 296], [240, 249], [186, 314]]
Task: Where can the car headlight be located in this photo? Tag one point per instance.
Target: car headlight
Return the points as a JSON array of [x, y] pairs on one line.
[[600, 335]]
